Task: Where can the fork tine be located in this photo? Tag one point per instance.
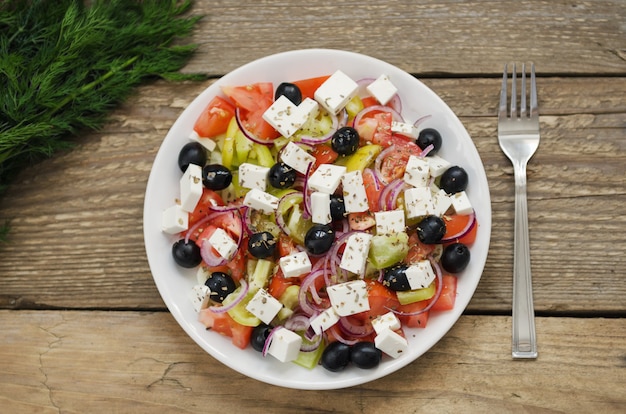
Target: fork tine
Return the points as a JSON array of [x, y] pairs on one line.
[[522, 104], [534, 108], [513, 94], [502, 110]]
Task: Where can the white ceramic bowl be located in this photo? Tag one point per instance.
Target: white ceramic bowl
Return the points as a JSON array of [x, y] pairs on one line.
[[174, 283]]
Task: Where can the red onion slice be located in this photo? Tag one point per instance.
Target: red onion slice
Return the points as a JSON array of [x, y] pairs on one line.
[[468, 227], [294, 198], [209, 257], [249, 134], [354, 330], [378, 162], [433, 300], [268, 340], [242, 294], [311, 140], [396, 116]]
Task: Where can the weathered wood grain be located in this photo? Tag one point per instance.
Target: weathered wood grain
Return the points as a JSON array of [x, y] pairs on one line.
[[77, 219], [76, 362], [426, 38]]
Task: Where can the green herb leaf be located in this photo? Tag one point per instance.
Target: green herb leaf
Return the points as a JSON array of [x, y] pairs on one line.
[[64, 64]]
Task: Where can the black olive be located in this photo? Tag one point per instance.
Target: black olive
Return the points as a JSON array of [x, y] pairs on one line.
[[337, 207], [221, 285], [429, 136], [336, 356], [431, 230], [186, 254], [454, 180], [290, 91], [319, 239], [455, 257], [259, 336], [365, 355], [345, 140], [262, 244], [191, 153], [216, 177], [281, 175], [395, 278]]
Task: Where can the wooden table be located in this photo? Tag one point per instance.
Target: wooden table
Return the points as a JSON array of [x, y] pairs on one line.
[[85, 330]]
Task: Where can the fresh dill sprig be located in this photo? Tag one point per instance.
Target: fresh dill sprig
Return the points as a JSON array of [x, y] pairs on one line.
[[65, 64]]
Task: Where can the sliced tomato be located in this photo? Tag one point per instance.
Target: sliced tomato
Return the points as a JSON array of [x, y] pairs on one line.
[[252, 101], [208, 199], [414, 321], [455, 223], [448, 294], [418, 251], [310, 85], [380, 299], [231, 222], [251, 98], [372, 189], [323, 154], [286, 245], [279, 283], [394, 164], [237, 265], [215, 118], [369, 101], [361, 221], [376, 129], [223, 324]]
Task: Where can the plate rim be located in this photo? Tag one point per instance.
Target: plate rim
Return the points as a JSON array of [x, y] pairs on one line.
[[331, 381]]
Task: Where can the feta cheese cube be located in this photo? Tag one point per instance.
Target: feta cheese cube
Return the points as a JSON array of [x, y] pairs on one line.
[[354, 256], [253, 176], [285, 116], [437, 165], [404, 128], [264, 306], [441, 202], [326, 178], [199, 296], [336, 92], [296, 157], [417, 172], [382, 89], [349, 298], [418, 202], [207, 143], [391, 343], [320, 208], [324, 320], [174, 220], [387, 321], [461, 203], [191, 187], [221, 241], [309, 108], [260, 200], [389, 222], [420, 275], [285, 345], [295, 264], [354, 195]]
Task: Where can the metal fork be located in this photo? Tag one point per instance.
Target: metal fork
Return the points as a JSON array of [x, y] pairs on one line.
[[518, 136]]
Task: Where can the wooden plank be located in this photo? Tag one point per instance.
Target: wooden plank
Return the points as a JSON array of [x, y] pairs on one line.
[[433, 38], [142, 362], [87, 251]]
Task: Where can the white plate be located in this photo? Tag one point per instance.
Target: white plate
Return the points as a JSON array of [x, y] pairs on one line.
[[174, 283]]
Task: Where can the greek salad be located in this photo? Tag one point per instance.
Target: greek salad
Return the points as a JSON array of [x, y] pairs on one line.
[[321, 222]]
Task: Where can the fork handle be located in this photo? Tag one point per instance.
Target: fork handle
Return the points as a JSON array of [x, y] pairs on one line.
[[524, 336]]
